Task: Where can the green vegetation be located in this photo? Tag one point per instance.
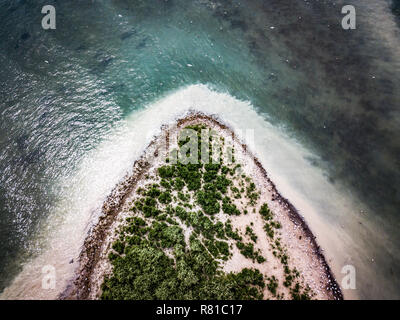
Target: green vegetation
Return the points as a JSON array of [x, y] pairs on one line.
[[230, 233], [248, 251], [251, 234], [272, 284], [146, 272], [208, 199], [297, 290], [165, 197], [151, 258]]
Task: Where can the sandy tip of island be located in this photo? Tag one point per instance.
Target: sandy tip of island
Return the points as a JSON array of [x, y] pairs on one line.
[[301, 246]]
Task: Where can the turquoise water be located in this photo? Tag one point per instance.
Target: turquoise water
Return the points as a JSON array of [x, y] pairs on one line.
[[66, 94]]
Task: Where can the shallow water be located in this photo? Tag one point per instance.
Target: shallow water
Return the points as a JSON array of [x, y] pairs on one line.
[[80, 103]]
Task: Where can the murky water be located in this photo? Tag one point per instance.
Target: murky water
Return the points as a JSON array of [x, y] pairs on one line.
[[79, 103]]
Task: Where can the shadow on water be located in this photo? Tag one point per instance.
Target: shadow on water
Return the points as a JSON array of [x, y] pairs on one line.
[[396, 8]]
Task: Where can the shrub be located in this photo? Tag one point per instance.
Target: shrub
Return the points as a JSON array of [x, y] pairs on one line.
[[212, 247], [248, 251], [222, 183], [166, 172], [208, 199], [251, 234], [194, 181], [225, 170], [179, 184], [229, 208], [165, 184], [118, 246], [272, 284], [183, 197], [260, 259], [265, 212], [223, 247], [154, 192], [219, 230], [181, 213], [268, 229], [230, 233], [165, 197]]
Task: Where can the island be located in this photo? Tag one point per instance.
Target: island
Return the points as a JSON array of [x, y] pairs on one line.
[[199, 218]]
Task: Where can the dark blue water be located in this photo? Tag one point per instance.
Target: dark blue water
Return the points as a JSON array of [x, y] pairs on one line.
[[64, 91]]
